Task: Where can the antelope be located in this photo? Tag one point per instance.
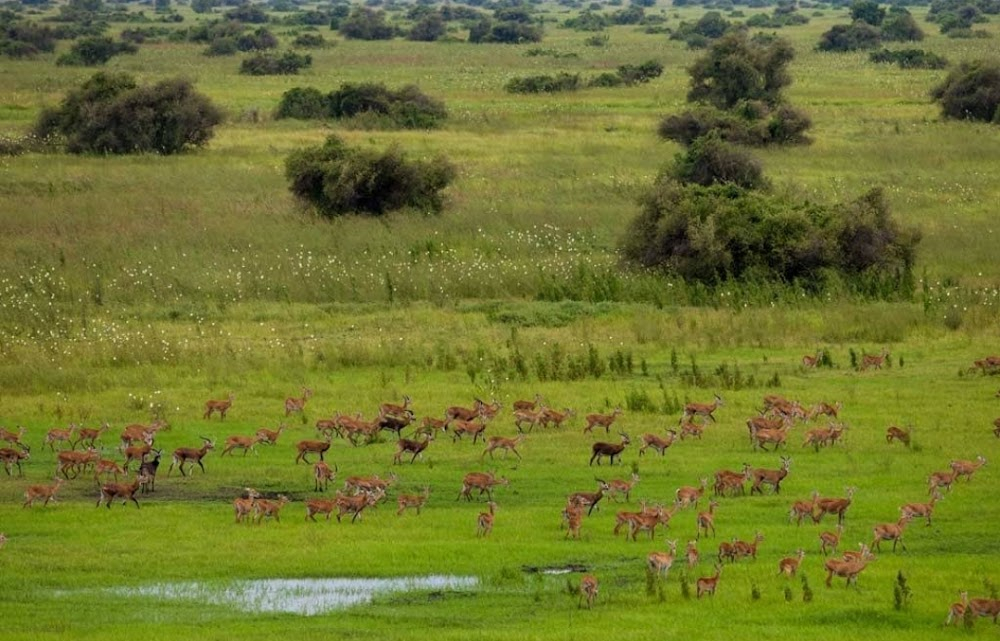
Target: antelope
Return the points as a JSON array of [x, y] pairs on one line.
[[270, 437], [849, 569], [58, 434], [417, 501], [691, 553], [790, 564], [12, 457], [706, 520], [956, 612], [966, 468], [528, 405], [856, 555], [823, 408], [394, 422], [355, 504], [246, 443], [484, 521], [996, 424], [124, 491], [727, 550], [148, 469], [269, 508], [184, 455], [3, 539], [923, 510], [14, 438], [757, 423], [837, 506], [218, 406], [573, 515], [531, 417], [891, 532], [770, 477], [322, 475], [488, 411], [621, 486], [88, 435], [392, 409], [648, 522], [657, 443], [35, 492], [357, 427], [733, 481], [818, 437], [555, 417], [705, 410], [311, 447], [319, 506], [505, 444], [762, 437], [810, 362], [985, 608], [802, 509], [588, 590], [687, 495], [624, 518], [431, 425], [893, 433], [661, 562], [941, 480], [611, 450], [457, 412], [707, 584], [293, 404], [136, 433], [329, 427], [786, 410], [602, 420], [243, 506], [105, 466], [590, 499], [460, 427], [369, 484], [484, 482], [405, 445], [692, 429], [742, 548], [76, 461], [830, 540], [136, 453], [869, 361]]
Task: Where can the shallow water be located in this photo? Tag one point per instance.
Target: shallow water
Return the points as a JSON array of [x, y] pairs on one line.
[[296, 596]]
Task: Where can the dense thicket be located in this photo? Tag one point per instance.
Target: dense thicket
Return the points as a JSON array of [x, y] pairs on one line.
[[871, 27], [266, 64], [971, 91], [94, 51], [23, 38], [407, 107], [910, 58]]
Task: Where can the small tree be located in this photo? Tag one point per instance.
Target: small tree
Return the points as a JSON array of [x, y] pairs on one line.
[[427, 29], [264, 64], [900, 26], [867, 11], [710, 161], [850, 37], [971, 91], [738, 67], [366, 24], [91, 52]]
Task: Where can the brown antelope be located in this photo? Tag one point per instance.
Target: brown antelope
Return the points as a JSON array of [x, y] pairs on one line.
[[12, 457], [359, 430], [707, 584], [588, 591], [891, 532], [966, 468], [622, 487], [870, 361], [694, 430], [705, 410], [76, 462], [985, 608], [243, 506], [996, 424], [810, 361], [743, 549], [488, 411], [416, 501], [369, 484], [611, 450], [461, 428], [939, 480], [59, 435], [727, 480], [757, 423], [106, 466], [297, 405], [124, 491], [329, 427], [304, 448], [623, 518], [430, 425], [484, 521], [573, 516], [482, 481], [89, 435], [269, 508], [392, 409], [922, 510], [218, 406], [820, 436], [956, 612], [407, 446], [3, 539], [790, 564], [706, 520], [270, 437], [184, 455], [246, 443], [830, 540], [320, 506], [823, 408], [802, 509], [136, 453], [649, 522], [661, 562], [691, 553], [322, 475], [554, 417], [590, 500], [137, 433], [894, 433], [776, 437], [355, 504], [688, 495], [727, 551], [14, 438], [773, 478], [531, 418], [848, 568], [786, 410], [602, 420], [47, 492], [658, 443], [457, 412], [505, 444], [527, 405], [838, 506]]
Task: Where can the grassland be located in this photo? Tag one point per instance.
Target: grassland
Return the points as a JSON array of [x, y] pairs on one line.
[[134, 287]]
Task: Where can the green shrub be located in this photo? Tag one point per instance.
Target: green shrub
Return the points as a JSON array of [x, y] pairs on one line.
[[971, 91], [366, 24], [304, 103], [264, 64], [900, 26], [711, 161], [752, 124], [24, 39], [91, 52], [841, 37], [259, 40], [310, 41], [740, 68], [544, 84], [909, 58]]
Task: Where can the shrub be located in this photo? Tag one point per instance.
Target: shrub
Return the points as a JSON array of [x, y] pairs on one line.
[[867, 11], [427, 29], [310, 41], [544, 84], [407, 107], [90, 52], [248, 13], [111, 114], [259, 40], [710, 161], [222, 47], [971, 91], [900, 26], [738, 67], [366, 24], [752, 124], [339, 180], [910, 58], [640, 74], [859, 35], [23, 39], [304, 103], [263, 64], [508, 32]]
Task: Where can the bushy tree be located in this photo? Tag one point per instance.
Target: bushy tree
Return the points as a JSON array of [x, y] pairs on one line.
[[867, 11], [112, 114], [428, 29], [91, 52], [303, 103], [711, 161], [850, 37], [971, 91], [265, 64], [738, 67], [754, 124], [23, 38], [407, 107], [248, 13], [337, 179], [910, 58], [366, 24], [259, 40], [900, 26]]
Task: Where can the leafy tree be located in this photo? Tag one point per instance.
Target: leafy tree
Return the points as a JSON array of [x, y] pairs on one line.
[[111, 114], [738, 67], [204, 6], [858, 35], [900, 26], [248, 13], [428, 29], [971, 91], [640, 74], [867, 11], [366, 24], [755, 124], [910, 58], [303, 103]]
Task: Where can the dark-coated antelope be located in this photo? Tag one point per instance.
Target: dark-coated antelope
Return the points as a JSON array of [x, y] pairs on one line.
[[894, 433], [408, 446], [610, 450], [590, 500], [221, 407], [148, 469], [184, 455]]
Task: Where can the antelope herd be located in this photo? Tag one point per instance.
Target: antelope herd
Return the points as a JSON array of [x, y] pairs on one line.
[[768, 433]]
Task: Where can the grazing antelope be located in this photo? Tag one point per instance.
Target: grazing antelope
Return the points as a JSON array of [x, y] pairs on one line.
[[588, 591], [941, 480], [484, 521], [838, 506], [956, 612], [658, 443], [482, 481], [621, 486], [554, 417], [706, 520], [691, 553], [148, 469], [59, 435], [705, 410], [966, 468], [460, 428], [293, 404], [416, 501], [124, 491], [590, 500], [848, 568], [802, 509], [12, 457], [647, 522], [661, 562], [688, 495], [611, 450], [243, 506], [893, 433], [304, 448], [527, 405], [870, 361], [89, 435], [529, 417], [773, 478], [891, 532], [790, 564], [707, 584], [407, 446], [811, 362], [184, 455], [505, 444], [218, 406], [602, 420], [105, 466], [922, 510], [270, 437], [246, 443], [14, 438], [830, 540], [322, 475], [269, 508], [47, 492]]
